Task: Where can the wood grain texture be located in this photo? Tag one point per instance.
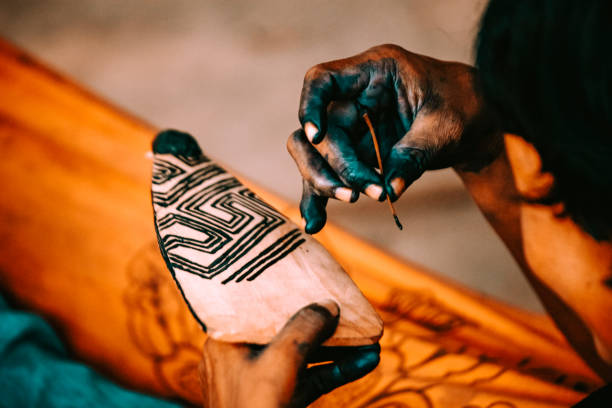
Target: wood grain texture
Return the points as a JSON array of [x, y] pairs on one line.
[[78, 246], [243, 268]]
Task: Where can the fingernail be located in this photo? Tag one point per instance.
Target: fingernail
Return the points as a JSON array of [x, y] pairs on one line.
[[398, 184], [600, 347], [331, 306], [344, 194], [374, 191], [311, 131]]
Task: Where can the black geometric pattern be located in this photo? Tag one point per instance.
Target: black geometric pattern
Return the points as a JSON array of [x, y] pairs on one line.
[[208, 222], [164, 171], [185, 184]]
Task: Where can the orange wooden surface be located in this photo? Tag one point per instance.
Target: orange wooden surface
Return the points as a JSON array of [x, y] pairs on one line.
[[79, 248]]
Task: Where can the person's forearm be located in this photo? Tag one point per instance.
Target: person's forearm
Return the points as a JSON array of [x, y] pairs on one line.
[[494, 191]]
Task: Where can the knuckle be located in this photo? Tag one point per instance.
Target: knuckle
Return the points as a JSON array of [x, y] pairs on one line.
[[410, 155], [388, 49], [289, 144], [348, 173], [322, 185], [353, 174], [314, 72], [324, 190], [297, 136], [293, 140]]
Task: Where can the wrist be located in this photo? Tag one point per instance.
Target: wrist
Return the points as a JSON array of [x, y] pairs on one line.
[[479, 156]]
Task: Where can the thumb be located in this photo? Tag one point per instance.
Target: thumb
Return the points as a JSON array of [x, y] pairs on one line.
[[302, 334], [433, 141], [402, 167]]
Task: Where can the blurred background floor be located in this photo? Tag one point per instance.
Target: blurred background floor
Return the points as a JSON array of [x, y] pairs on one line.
[[230, 72]]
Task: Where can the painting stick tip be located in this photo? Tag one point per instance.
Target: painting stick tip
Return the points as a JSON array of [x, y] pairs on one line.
[[397, 222]]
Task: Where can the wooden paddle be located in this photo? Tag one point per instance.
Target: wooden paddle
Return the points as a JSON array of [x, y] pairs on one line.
[[243, 268]]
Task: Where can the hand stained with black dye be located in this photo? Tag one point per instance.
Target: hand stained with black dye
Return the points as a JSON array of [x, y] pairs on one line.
[[426, 113]]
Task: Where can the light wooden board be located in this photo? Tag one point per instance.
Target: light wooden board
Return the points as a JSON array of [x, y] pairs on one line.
[[243, 268]]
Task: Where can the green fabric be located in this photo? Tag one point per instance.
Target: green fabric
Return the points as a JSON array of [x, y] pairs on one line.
[[36, 371]]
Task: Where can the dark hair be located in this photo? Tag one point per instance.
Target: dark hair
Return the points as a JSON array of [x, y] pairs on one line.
[[546, 66]]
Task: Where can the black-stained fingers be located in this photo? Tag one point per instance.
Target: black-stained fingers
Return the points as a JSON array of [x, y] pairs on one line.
[[340, 154], [322, 379], [323, 83], [312, 209], [409, 156], [335, 353], [315, 169], [402, 167]]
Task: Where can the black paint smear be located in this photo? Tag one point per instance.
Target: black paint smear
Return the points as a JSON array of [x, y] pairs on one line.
[[179, 144]]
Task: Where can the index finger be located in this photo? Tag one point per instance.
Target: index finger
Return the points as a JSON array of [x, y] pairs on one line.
[[323, 83], [322, 379], [335, 353]]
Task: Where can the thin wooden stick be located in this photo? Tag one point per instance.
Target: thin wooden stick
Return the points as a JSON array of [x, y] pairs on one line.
[[376, 147]]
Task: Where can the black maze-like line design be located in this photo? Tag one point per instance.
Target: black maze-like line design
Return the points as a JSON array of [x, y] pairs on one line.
[[241, 224], [268, 257], [222, 218], [192, 160], [164, 170], [186, 184]]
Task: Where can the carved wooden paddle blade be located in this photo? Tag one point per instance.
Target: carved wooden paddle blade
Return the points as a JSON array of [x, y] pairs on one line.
[[243, 268]]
